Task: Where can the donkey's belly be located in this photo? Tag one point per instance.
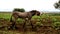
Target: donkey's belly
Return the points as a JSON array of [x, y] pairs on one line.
[[22, 16]]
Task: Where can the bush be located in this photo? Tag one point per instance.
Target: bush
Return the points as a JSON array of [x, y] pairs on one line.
[[56, 25], [19, 10]]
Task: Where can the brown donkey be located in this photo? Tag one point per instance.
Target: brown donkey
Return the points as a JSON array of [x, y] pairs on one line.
[[24, 15]]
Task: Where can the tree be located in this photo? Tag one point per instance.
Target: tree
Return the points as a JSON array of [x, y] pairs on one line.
[[19, 10], [57, 5], [22, 10]]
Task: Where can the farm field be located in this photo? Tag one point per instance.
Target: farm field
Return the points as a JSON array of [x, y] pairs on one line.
[[42, 23]]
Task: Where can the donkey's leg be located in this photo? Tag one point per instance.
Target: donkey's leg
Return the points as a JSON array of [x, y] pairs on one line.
[[14, 22], [31, 24], [24, 25]]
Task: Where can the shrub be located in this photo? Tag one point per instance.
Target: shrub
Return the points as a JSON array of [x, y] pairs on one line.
[[56, 25], [19, 10]]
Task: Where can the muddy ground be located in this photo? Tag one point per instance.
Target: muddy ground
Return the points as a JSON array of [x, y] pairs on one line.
[[5, 28]]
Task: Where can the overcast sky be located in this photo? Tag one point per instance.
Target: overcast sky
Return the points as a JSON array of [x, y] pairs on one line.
[[41, 5]]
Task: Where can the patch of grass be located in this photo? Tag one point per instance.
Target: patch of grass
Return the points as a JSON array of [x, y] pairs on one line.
[[5, 15], [44, 17]]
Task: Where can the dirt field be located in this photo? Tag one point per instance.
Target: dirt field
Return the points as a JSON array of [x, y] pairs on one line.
[[5, 25], [41, 25]]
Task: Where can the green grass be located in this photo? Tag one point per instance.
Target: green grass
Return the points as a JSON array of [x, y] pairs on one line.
[[44, 17], [55, 19], [5, 15]]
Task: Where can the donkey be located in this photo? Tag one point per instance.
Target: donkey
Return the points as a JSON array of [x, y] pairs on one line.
[[24, 15]]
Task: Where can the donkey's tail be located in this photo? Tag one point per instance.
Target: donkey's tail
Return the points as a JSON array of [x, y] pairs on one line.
[[11, 19]]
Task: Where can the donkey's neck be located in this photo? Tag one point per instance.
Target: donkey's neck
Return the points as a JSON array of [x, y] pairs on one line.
[[33, 14]]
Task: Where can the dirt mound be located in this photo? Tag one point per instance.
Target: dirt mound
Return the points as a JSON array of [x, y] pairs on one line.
[[5, 24]]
